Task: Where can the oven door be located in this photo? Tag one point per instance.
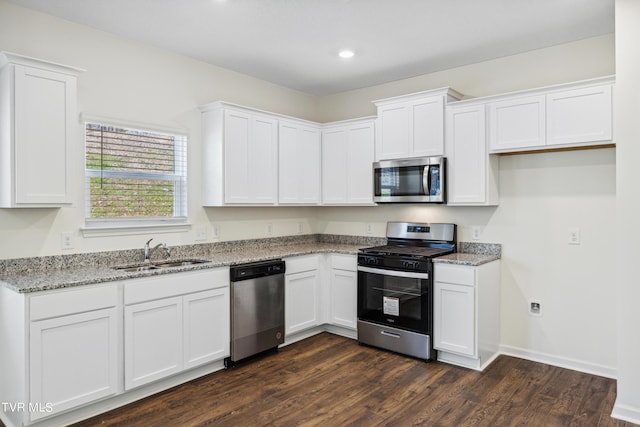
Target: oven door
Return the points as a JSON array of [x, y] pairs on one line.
[[400, 299]]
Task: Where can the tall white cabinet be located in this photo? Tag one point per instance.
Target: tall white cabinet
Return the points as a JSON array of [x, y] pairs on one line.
[[347, 158], [38, 126], [473, 174], [240, 157], [299, 163]]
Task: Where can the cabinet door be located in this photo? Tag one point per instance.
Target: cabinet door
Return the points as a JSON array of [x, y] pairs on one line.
[[206, 327], [153, 341], [236, 152], [392, 136], [347, 158], [301, 301], [335, 166], [73, 360], [360, 169], [469, 180], [517, 123], [250, 158], [454, 318], [263, 172], [344, 298], [299, 164], [42, 151], [579, 116], [427, 123]]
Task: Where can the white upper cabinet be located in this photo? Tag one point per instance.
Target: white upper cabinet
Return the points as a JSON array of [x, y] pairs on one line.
[[347, 158], [299, 163], [517, 123], [564, 116], [579, 116], [412, 125], [472, 172], [239, 155], [35, 160]]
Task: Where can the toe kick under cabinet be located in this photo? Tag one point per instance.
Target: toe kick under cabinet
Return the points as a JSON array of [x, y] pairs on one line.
[[467, 313]]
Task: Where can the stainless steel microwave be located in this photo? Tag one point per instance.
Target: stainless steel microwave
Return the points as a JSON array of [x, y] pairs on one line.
[[416, 180]]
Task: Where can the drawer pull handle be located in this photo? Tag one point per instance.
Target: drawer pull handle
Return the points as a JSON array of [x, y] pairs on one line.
[[390, 334]]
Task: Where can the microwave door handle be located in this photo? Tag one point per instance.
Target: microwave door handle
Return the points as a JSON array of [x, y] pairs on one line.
[[426, 181]]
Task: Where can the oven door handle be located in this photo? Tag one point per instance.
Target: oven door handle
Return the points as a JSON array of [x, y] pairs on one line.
[[394, 273]]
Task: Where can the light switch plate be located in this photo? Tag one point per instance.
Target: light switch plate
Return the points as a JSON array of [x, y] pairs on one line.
[[574, 236]]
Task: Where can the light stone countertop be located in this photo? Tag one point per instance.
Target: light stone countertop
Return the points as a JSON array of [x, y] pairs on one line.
[[56, 272]]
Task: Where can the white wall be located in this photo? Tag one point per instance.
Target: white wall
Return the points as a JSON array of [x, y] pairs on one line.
[[627, 127], [542, 194]]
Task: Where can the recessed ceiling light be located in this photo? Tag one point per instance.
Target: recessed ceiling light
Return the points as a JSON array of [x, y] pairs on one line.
[[346, 54]]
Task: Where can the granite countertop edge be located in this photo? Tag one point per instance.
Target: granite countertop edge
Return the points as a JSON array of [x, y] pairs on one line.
[[465, 259], [473, 254], [68, 278]]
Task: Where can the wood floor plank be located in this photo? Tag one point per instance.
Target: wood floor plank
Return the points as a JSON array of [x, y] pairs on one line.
[[327, 381]]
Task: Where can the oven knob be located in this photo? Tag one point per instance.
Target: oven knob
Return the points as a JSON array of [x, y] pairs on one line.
[[410, 264]]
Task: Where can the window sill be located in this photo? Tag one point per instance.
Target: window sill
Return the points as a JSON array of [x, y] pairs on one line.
[[103, 229]]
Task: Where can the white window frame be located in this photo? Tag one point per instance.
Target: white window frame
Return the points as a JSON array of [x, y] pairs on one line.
[[96, 227]]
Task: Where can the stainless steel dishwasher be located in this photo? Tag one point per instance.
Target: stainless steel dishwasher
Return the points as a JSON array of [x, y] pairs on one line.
[[257, 308]]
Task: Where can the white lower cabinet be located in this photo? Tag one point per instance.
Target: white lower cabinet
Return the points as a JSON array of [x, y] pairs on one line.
[[174, 322], [73, 359], [152, 341], [343, 282], [301, 293], [203, 342], [467, 313]]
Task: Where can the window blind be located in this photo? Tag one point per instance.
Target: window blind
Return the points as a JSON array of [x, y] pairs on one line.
[[134, 173]]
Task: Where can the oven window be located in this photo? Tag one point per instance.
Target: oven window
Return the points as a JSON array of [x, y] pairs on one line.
[[394, 301]]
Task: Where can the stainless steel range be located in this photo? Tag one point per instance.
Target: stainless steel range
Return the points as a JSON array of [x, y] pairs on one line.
[[395, 287]]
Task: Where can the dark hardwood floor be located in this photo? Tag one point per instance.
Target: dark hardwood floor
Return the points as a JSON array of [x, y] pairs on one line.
[[332, 381]]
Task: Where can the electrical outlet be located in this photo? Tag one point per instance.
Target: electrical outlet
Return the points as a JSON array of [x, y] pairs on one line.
[[369, 228], [476, 234], [574, 236], [269, 229], [535, 308], [300, 227], [201, 234], [66, 240], [216, 231]]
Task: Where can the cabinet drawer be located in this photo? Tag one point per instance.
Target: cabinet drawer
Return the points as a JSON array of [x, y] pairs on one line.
[[168, 285], [456, 274], [344, 262], [302, 263], [72, 301]]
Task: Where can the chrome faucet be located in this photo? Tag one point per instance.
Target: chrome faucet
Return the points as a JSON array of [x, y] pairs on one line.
[[148, 251]]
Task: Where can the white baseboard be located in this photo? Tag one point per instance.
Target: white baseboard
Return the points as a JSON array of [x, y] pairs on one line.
[[626, 413], [562, 362]]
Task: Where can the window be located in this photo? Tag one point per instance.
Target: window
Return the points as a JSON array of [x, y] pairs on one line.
[[134, 174]]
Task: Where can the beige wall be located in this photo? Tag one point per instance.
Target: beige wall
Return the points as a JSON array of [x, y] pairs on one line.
[[580, 60]]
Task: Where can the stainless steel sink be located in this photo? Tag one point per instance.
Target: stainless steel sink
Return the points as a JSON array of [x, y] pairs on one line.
[[140, 267], [159, 265], [179, 263]]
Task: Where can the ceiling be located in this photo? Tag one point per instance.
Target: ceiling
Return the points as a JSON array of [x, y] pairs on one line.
[[294, 43]]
